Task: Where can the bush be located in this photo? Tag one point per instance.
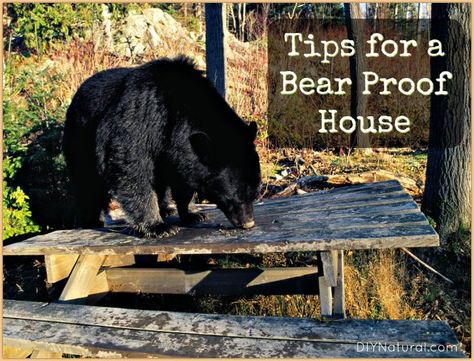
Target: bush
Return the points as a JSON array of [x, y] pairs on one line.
[[16, 211], [41, 26], [34, 178]]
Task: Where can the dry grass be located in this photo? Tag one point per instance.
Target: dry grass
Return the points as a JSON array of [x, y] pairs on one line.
[[377, 289], [281, 306]]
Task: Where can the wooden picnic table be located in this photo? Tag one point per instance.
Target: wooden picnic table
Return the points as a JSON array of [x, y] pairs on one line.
[[366, 216]]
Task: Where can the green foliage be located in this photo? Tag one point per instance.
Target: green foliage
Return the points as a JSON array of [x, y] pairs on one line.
[[34, 178], [42, 26], [189, 22], [119, 11], [16, 213]]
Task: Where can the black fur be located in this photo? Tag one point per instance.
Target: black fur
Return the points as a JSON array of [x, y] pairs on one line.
[[133, 133]]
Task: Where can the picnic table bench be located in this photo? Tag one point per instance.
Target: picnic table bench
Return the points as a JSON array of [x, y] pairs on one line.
[[367, 216], [49, 330]]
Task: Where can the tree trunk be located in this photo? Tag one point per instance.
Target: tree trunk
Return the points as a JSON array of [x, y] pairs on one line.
[[215, 45], [447, 195], [234, 22], [244, 20], [358, 64], [418, 24]]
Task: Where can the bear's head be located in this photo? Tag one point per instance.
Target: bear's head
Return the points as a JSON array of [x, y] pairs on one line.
[[232, 181]]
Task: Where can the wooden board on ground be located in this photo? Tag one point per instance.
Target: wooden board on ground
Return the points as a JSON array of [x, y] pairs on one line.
[[375, 215], [114, 332]]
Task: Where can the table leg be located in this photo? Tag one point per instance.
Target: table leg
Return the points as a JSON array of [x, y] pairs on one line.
[[339, 301], [83, 278], [325, 298], [331, 284]]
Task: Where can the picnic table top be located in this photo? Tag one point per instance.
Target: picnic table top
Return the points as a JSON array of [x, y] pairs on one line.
[[365, 216]]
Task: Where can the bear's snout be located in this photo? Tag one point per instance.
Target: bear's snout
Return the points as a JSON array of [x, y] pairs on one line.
[[241, 216], [248, 224]]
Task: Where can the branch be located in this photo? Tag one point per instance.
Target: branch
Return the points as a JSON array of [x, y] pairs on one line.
[[426, 265]]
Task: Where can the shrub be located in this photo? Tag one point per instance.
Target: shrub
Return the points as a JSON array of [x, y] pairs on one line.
[[41, 26], [16, 211], [35, 194]]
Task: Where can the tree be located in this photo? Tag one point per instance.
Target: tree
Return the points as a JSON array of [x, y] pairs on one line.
[[215, 45], [358, 64], [447, 197]]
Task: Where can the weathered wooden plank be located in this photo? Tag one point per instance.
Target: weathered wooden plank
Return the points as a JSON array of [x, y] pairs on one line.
[[328, 206], [368, 188], [45, 354], [60, 238], [12, 352], [362, 192], [82, 278], [297, 206], [248, 281], [399, 207], [362, 216], [59, 266], [345, 192], [388, 218], [339, 308], [279, 237], [325, 297], [329, 263], [119, 261], [352, 331], [328, 196], [322, 221], [93, 341]]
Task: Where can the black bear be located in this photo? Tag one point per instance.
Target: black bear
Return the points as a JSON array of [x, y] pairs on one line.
[[133, 133]]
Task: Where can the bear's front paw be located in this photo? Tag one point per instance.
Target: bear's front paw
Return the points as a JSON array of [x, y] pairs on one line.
[[192, 218], [159, 230]]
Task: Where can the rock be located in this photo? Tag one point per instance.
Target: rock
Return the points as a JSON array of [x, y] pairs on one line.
[[155, 40], [153, 29], [311, 181]]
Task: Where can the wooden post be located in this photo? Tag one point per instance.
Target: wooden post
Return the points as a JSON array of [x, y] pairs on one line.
[[325, 298], [328, 279], [339, 300], [215, 45]]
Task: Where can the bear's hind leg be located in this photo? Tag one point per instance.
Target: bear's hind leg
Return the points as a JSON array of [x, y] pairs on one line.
[[140, 204], [166, 204], [183, 196]]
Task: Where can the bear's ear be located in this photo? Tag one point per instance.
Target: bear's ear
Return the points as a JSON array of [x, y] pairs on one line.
[[202, 147], [253, 130]]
